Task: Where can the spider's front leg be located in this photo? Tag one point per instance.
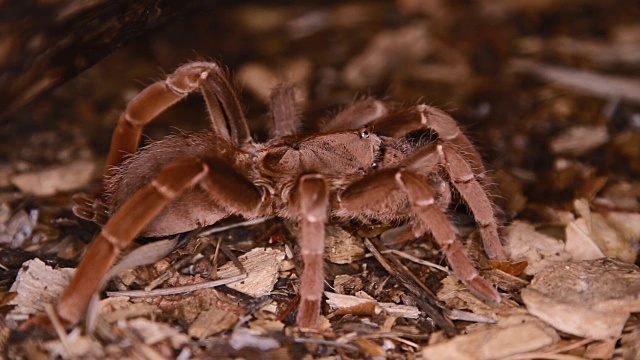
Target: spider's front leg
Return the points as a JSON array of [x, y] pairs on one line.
[[312, 198], [460, 158], [119, 232], [386, 190], [236, 193]]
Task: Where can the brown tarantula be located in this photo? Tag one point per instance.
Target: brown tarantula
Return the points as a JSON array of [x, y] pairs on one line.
[[361, 165]]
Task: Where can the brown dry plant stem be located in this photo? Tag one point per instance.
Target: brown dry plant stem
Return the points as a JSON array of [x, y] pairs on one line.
[[425, 299]]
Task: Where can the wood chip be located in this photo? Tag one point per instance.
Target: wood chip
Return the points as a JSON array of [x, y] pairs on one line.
[[212, 322], [152, 332], [495, 343], [262, 265], [340, 247], [67, 177], [37, 284], [591, 298]]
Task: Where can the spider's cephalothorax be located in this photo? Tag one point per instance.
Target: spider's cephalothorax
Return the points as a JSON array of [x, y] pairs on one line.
[[361, 165]]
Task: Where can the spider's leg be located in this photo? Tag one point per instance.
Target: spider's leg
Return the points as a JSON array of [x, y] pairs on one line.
[[312, 198], [427, 117], [423, 203], [120, 231], [476, 198], [157, 97], [388, 188], [358, 114], [284, 115], [425, 159]]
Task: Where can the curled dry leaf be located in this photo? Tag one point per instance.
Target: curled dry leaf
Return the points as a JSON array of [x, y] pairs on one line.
[[537, 249], [347, 304], [594, 235], [592, 298], [67, 177], [495, 343]]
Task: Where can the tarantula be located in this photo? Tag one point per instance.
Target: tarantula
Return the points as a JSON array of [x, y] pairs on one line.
[[362, 165]]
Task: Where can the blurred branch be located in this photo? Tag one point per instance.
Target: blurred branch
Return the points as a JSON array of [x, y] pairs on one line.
[[45, 43]]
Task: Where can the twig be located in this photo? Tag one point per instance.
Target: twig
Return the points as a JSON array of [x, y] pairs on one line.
[[424, 298], [414, 259], [177, 289], [57, 326], [603, 86], [325, 342], [216, 229]]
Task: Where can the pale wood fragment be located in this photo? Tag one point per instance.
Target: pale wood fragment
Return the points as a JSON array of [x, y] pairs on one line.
[[340, 247], [152, 332], [587, 82], [37, 284], [211, 322], [261, 264]]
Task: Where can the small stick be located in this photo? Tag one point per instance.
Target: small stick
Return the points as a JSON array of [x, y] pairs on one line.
[[177, 289], [424, 298]]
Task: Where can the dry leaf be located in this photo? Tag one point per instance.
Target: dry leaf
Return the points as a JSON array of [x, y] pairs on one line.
[[593, 235], [538, 250], [591, 298], [61, 178], [495, 343]]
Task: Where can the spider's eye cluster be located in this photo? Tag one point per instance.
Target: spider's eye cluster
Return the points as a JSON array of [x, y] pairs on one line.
[[364, 132]]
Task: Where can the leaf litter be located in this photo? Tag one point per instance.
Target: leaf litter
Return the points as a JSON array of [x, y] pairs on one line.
[[551, 103]]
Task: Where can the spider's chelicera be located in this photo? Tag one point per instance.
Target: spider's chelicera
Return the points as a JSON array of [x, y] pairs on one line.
[[362, 165]]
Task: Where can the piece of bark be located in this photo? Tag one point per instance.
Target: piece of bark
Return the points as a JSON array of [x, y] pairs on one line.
[[261, 264], [495, 343], [18, 228], [592, 298], [45, 43]]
